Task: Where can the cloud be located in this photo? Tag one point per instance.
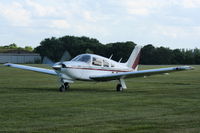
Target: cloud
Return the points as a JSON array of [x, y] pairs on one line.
[[168, 31], [141, 7], [175, 32], [41, 10], [16, 14], [145, 20], [88, 16], [148, 7], [59, 24], [139, 11], [190, 3]]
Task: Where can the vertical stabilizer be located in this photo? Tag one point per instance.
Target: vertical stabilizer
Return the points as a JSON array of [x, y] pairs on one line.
[[133, 60]]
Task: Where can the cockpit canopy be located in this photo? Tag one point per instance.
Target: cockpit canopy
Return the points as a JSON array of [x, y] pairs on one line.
[[83, 58], [93, 60]]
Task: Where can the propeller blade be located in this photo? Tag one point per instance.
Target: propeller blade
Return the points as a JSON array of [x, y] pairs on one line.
[[57, 66], [47, 61], [66, 56]]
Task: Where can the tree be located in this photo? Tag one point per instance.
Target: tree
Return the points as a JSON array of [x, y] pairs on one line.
[[162, 56], [28, 48], [148, 54], [13, 45], [177, 57], [89, 51], [197, 56], [119, 50], [189, 57]]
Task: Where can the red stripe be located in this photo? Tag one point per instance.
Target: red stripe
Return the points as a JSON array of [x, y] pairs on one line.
[[136, 61], [98, 69]]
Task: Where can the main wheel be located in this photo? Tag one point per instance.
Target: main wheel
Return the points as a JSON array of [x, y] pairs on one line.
[[62, 88], [119, 87], [66, 85]]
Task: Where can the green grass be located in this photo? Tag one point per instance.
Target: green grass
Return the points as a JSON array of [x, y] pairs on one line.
[[30, 102]]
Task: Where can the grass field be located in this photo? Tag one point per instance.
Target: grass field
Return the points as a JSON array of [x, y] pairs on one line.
[[30, 102]]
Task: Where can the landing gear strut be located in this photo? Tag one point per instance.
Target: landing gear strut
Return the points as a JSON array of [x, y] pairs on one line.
[[64, 87], [121, 85]]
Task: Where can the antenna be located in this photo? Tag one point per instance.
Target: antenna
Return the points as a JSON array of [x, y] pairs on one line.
[[120, 60], [111, 56]]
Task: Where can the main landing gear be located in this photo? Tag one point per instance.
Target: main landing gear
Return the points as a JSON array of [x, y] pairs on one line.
[[64, 87], [121, 85]]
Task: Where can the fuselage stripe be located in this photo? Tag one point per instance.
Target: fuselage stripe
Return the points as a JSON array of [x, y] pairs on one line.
[[99, 69]]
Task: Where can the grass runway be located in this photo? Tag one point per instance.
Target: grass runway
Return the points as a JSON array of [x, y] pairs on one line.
[[30, 102]]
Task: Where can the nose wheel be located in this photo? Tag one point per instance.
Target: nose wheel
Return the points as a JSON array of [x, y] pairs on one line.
[[64, 87]]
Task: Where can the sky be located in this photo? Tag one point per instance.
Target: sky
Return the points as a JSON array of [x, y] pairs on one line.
[[168, 23]]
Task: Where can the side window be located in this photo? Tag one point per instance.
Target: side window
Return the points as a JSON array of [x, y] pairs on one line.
[[96, 61], [85, 58], [105, 63]]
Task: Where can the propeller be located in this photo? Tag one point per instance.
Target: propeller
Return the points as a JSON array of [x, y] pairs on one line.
[[66, 56], [47, 61], [57, 66]]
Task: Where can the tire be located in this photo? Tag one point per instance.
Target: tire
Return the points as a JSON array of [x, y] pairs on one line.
[[66, 85], [62, 88], [119, 87]]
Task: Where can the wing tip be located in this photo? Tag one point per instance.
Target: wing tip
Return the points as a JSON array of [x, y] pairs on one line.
[[184, 68], [7, 64]]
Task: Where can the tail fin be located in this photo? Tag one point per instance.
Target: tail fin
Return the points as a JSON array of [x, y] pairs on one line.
[[134, 58]]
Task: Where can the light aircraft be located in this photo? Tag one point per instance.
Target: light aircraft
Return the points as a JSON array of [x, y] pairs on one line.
[[91, 67]]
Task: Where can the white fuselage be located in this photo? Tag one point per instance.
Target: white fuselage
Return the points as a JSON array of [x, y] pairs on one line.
[[93, 65]]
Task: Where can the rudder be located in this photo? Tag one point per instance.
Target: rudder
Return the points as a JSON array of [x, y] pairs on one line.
[[133, 60]]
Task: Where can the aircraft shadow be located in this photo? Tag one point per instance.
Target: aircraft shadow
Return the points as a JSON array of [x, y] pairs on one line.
[[89, 90], [168, 83], [43, 89], [33, 89]]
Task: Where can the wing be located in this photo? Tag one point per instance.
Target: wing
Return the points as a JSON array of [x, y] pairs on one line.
[[139, 73], [30, 68]]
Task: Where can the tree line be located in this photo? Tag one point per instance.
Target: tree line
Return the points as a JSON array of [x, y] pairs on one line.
[[55, 47], [14, 46]]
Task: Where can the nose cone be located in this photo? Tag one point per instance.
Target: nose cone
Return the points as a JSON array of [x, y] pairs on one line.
[[57, 66]]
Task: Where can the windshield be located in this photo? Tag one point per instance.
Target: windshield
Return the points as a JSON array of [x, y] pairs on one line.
[[82, 58]]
